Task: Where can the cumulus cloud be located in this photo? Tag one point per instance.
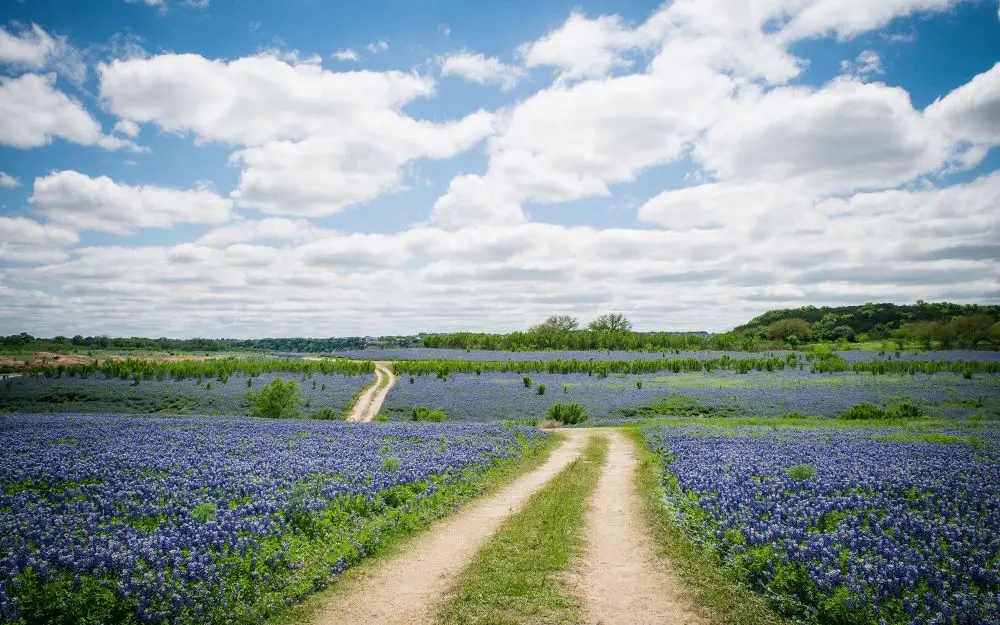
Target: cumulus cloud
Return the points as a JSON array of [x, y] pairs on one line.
[[972, 111], [36, 112], [25, 240], [85, 203], [314, 141], [346, 55], [478, 68]]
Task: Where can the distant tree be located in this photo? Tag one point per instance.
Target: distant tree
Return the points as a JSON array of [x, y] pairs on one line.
[[278, 400], [842, 333], [611, 322], [786, 329], [557, 323], [971, 330]]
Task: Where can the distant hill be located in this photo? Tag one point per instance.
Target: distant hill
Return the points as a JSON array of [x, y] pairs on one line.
[[875, 320]]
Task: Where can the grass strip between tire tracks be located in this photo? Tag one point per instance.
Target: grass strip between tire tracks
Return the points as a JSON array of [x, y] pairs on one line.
[[515, 579]]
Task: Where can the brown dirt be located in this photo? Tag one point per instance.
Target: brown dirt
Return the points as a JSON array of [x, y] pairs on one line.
[[405, 589], [370, 401], [620, 579]]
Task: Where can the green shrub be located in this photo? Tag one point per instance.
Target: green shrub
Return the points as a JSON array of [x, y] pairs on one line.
[[638, 384], [423, 413], [278, 400], [864, 411], [905, 411], [527, 382], [327, 414], [567, 414], [541, 389]]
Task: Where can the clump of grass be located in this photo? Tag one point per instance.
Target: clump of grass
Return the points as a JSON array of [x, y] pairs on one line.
[[801, 472], [567, 414]]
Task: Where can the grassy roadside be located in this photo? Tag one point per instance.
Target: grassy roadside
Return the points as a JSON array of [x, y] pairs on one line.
[[731, 601], [399, 537], [515, 578]]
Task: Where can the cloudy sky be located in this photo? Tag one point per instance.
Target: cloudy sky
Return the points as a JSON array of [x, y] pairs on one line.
[[252, 168]]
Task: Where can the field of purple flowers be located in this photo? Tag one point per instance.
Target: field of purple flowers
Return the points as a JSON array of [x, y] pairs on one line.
[[215, 519], [499, 396], [209, 396], [846, 527], [851, 356]]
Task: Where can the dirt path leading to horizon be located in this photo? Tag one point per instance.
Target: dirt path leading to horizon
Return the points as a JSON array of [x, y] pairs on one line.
[[370, 401], [621, 580], [405, 589]]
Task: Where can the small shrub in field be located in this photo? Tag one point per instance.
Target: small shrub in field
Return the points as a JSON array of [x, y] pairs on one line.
[[327, 414], [567, 414], [802, 472], [638, 384], [541, 389], [278, 400], [527, 382], [565, 389], [381, 418], [795, 414], [864, 411], [905, 411], [423, 413]]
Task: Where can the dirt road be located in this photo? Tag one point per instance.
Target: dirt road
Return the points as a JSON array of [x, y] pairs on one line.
[[370, 401], [621, 580], [405, 589]]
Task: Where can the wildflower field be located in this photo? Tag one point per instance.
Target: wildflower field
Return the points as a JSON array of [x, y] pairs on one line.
[[845, 526], [113, 519]]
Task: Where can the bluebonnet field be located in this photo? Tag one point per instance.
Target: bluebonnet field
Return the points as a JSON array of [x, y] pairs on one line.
[[851, 356], [215, 519], [842, 527], [497, 396], [98, 393]]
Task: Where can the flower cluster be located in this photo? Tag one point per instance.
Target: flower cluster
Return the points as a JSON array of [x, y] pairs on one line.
[[197, 520], [858, 526]]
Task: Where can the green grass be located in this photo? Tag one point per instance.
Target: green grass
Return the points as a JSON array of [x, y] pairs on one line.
[[516, 579], [399, 537], [713, 586]]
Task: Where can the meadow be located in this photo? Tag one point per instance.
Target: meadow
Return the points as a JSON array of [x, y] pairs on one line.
[[113, 519], [862, 526]]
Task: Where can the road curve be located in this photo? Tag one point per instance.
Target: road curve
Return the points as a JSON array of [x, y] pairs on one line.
[[370, 401]]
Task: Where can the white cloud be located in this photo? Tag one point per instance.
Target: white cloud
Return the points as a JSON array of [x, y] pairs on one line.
[[377, 46], [346, 55], [25, 240], [868, 62], [127, 127], [35, 49], [8, 182], [476, 67], [845, 135], [246, 231], [315, 141], [582, 47], [85, 203], [972, 111], [35, 112]]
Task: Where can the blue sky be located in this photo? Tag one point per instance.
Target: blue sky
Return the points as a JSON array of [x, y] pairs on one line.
[[213, 168]]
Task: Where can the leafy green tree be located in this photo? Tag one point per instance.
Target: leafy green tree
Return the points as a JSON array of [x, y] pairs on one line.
[[785, 329], [611, 322], [842, 333], [558, 323], [278, 400], [971, 330]]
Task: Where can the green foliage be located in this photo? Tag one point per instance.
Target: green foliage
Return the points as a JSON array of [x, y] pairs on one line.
[[423, 413], [327, 414], [789, 329], [610, 322], [278, 400], [864, 411], [527, 382], [541, 389], [567, 414], [802, 472]]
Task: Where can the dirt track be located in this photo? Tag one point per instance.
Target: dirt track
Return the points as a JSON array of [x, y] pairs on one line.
[[370, 402], [405, 589], [621, 581]]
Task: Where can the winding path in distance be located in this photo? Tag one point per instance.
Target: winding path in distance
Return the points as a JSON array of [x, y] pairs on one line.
[[370, 401]]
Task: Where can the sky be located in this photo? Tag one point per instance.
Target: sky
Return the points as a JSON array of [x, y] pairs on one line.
[[247, 168]]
